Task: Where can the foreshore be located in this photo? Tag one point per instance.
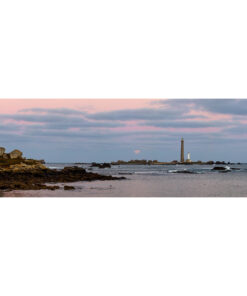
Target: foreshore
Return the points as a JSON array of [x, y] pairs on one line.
[[36, 179], [153, 181], [18, 173]]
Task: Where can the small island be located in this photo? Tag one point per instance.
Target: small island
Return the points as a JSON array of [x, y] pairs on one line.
[[19, 173], [174, 162]]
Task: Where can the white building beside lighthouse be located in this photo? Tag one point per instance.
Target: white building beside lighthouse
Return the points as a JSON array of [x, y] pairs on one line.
[[188, 157]]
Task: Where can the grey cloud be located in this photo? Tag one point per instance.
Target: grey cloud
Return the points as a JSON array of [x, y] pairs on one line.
[[58, 121], [10, 127], [33, 117], [71, 134], [65, 111], [66, 124], [12, 137], [184, 124], [139, 114], [238, 130], [113, 134], [222, 106]]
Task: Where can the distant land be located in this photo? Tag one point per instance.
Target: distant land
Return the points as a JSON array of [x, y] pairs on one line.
[[174, 162], [154, 162]]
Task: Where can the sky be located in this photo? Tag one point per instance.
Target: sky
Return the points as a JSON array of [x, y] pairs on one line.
[[103, 130]]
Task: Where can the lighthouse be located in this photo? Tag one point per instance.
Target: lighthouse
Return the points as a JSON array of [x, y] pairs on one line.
[[182, 150]]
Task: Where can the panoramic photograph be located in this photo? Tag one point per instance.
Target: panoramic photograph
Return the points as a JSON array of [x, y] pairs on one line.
[[123, 148]]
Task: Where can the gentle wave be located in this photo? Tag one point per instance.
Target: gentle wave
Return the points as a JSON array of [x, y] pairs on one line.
[[150, 173], [52, 167]]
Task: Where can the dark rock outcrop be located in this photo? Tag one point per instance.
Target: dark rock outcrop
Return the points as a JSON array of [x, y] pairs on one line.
[[219, 168], [101, 165], [66, 187], [35, 179], [18, 173], [20, 164]]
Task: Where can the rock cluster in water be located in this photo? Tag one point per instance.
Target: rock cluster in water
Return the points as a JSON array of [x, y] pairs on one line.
[[18, 173], [101, 165]]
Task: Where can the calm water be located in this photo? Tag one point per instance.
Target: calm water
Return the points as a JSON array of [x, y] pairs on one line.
[[154, 181]]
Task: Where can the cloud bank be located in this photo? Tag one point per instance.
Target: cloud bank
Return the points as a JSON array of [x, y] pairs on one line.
[[212, 128]]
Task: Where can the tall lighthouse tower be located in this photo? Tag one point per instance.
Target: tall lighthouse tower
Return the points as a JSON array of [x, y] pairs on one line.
[[182, 150]]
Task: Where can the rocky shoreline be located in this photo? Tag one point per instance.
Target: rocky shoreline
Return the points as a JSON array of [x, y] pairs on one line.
[[36, 179], [18, 173]]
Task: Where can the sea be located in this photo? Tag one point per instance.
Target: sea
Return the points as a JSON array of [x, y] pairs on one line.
[[152, 181]]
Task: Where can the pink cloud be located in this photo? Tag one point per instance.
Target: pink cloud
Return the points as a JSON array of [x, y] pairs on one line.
[[89, 105]]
